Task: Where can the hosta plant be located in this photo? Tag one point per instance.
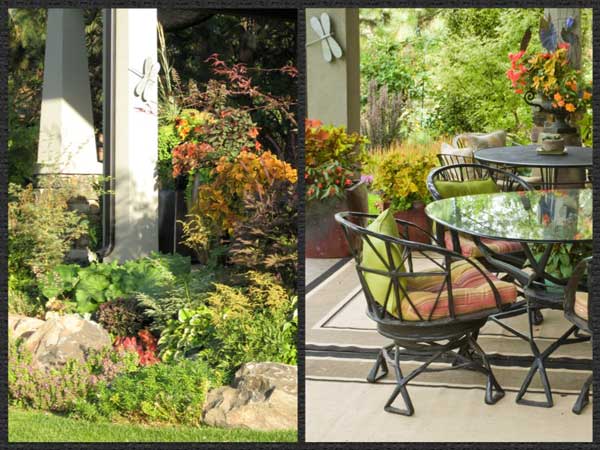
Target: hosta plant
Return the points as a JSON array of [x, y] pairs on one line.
[[100, 282]]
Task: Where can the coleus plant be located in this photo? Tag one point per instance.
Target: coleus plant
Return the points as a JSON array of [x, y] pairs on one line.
[[333, 160]]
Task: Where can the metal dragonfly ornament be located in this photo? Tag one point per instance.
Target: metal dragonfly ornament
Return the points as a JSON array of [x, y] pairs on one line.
[[328, 44], [148, 78]]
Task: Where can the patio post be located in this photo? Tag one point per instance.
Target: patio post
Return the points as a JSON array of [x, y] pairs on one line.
[[134, 129], [67, 140], [67, 144], [333, 88]]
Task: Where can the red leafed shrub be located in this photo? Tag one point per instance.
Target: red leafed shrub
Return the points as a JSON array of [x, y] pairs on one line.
[[144, 345], [188, 156]]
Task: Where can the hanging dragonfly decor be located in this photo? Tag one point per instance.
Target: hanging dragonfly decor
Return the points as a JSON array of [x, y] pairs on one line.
[[329, 46], [148, 78]]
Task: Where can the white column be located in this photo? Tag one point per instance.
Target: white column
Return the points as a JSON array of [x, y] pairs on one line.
[[135, 135], [67, 143], [333, 88]]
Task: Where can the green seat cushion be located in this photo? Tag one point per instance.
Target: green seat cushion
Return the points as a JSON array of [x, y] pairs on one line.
[[378, 284], [450, 189]]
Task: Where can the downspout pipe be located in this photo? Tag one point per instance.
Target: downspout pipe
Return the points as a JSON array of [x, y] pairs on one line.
[[108, 119]]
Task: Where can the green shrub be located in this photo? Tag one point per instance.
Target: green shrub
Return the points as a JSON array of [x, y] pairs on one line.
[[60, 389], [254, 321], [167, 140], [22, 150], [172, 393], [100, 282], [187, 293], [41, 231]]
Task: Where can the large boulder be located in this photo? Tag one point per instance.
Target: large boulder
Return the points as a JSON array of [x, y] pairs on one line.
[[63, 338], [263, 396], [22, 327]]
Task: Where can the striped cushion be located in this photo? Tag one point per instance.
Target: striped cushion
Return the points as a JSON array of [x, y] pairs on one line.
[[470, 290], [581, 305], [469, 249]]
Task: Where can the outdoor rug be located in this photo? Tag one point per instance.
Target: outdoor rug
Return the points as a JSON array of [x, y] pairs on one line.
[[342, 344]]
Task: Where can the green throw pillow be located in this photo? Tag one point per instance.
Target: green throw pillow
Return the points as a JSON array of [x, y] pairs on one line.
[[378, 284], [450, 189]]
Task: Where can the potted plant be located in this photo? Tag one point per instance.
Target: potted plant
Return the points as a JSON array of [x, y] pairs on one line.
[[400, 177], [550, 80], [332, 176]]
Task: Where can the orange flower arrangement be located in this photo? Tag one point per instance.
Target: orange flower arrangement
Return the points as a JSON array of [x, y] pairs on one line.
[[550, 74]]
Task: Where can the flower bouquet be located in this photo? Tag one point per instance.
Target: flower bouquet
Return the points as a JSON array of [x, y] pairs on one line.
[[552, 75]]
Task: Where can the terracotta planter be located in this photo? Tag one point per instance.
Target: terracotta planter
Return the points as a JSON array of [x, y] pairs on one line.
[[417, 216], [324, 237]]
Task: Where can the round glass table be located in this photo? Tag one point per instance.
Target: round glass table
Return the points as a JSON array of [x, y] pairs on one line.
[[558, 216], [568, 168], [538, 220]]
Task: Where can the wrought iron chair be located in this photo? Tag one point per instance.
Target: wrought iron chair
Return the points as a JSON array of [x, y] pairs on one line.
[[577, 311], [424, 313], [503, 180]]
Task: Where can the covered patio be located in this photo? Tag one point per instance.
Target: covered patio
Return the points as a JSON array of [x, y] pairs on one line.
[[342, 344], [345, 330]]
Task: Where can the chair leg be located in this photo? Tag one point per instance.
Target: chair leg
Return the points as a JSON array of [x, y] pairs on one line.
[[401, 382], [380, 362], [493, 390], [584, 396]]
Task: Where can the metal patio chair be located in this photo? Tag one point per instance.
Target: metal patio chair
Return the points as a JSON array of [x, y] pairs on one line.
[[425, 313], [504, 181], [577, 312]]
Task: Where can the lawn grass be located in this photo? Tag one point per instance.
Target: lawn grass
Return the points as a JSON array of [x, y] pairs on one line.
[[35, 426]]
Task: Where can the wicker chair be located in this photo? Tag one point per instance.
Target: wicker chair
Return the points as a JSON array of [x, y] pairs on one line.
[[577, 312], [423, 322]]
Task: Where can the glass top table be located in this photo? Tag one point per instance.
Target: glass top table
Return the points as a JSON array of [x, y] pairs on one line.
[[541, 218], [566, 170], [526, 216]]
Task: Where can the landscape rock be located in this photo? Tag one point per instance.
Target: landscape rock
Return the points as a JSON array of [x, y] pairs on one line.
[[22, 327], [263, 396], [65, 337]]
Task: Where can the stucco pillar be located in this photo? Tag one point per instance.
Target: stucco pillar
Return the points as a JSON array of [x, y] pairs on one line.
[[67, 143], [135, 131], [333, 88]]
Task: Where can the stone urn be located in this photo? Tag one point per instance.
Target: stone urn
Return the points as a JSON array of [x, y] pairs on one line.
[[552, 143]]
